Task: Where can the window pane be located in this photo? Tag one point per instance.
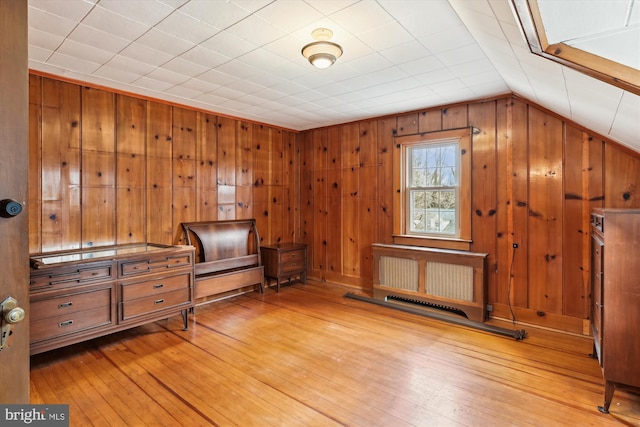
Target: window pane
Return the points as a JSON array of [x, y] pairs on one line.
[[432, 188], [433, 212]]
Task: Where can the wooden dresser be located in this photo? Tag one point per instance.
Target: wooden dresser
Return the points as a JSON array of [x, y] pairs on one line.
[[285, 261], [615, 297], [83, 294]]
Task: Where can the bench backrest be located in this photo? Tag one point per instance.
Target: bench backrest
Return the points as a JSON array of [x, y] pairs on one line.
[[223, 240]]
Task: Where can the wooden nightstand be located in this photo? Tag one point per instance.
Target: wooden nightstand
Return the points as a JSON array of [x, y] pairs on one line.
[[285, 261]]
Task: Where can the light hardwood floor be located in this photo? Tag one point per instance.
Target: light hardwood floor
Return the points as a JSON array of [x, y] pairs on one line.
[[309, 357]]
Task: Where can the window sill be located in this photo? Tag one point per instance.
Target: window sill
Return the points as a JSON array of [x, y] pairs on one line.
[[432, 242]]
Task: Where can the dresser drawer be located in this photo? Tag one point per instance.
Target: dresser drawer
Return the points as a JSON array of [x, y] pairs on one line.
[[65, 324], [50, 278], [148, 305], [295, 265], [70, 303], [288, 257], [150, 265], [157, 286]]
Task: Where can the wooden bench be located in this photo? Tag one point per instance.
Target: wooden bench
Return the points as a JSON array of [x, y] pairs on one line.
[[227, 257]]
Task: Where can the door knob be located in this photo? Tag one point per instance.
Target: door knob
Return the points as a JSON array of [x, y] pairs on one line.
[[9, 208], [11, 314]]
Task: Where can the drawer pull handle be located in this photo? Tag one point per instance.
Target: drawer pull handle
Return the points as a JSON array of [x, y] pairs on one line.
[[158, 301], [65, 323], [158, 286], [65, 304]]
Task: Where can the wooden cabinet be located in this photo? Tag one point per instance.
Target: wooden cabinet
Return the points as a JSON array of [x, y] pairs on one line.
[[615, 297], [285, 261], [83, 294]]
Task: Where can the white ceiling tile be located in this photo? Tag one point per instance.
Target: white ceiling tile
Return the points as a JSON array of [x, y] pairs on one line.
[[386, 36], [81, 50], [449, 39], [73, 63], [362, 16], [461, 55], [187, 27], [145, 54], [117, 74], [405, 52], [422, 65], [98, 38], [164, 75], [130, 65], [219, 14], [112, 23], [50, 23], [184, 67], [38, 54], [44, 40], [256, 31], [148, 12], [152, 84], [167, 43], [60, 8], [626, 124], [228, 45], [204, 57], [274, 12]]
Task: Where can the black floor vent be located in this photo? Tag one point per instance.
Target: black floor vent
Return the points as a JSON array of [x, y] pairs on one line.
[[440, 307]]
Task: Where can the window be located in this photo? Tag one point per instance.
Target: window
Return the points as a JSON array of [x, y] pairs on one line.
[[432, 188], [432, 203]]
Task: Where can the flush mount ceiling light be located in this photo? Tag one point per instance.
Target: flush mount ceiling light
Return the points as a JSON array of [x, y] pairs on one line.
[[322, 53]]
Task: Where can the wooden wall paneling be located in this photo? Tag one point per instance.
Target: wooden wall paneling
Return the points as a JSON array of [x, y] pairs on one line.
[[262, 182], [519, 197], [350, 145], [430, 121], [131, 118], [367, 194], [593, 183], [350, 201], [320, 151], [454, 117], [504, 211], [482, 116], [573, 252], [384, 217], [622, 182], [334, 201], [159, 179], [291, 188], [407, 124], [98, 168], [185, 135], [368, 137], [304, 143], [367, 219], [545, 212], [35, 164], [245, 164], [207, 169], [276, 187], [226, 168], [61, 167]]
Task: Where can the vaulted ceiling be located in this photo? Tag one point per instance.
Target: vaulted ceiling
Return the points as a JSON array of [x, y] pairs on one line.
[[242, 58]]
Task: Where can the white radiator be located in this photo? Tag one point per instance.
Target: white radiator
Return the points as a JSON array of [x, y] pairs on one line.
[[446, 279]]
